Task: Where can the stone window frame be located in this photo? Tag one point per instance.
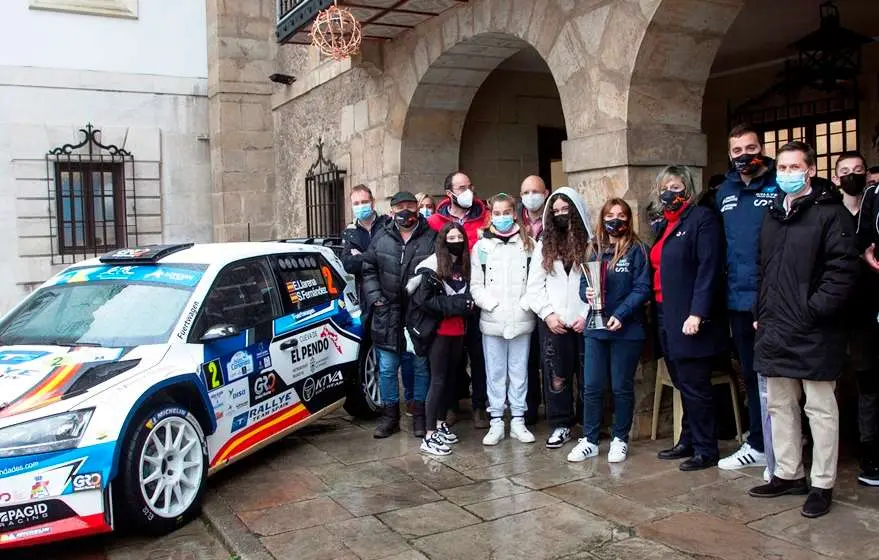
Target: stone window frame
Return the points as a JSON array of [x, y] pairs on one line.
[[127, 9]]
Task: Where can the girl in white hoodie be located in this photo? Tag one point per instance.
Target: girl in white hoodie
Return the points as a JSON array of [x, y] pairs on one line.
[[554, 294], [498, 284]]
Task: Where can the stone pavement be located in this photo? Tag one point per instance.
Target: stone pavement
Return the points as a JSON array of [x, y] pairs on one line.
[[331, 491]]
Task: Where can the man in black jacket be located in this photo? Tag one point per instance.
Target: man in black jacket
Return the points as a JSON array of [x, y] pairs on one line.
[[387, 266], [808, 270]]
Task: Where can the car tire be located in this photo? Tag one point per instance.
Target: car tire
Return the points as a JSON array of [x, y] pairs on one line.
[[364, 398], [160, 489]]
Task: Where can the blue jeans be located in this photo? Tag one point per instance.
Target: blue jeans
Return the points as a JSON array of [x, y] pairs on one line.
[[388, 363], [617, 359]]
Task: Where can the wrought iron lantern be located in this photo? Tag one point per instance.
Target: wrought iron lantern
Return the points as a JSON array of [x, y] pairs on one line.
[[831, 56], [336, 32]]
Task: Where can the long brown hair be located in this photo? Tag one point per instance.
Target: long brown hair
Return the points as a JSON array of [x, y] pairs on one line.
[[444, 260], [602, 240], [511, 200], [567, 246]]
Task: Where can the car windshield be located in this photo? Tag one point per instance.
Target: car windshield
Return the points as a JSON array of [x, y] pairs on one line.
[[104, 306]]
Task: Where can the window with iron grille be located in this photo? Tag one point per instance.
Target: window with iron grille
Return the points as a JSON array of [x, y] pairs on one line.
[[324, 197], [91, 191]]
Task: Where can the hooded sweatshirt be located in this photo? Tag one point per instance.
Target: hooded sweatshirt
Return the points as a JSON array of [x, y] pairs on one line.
[[558, 291]]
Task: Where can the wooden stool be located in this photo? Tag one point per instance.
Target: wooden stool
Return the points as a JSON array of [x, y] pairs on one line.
[[663, 379]]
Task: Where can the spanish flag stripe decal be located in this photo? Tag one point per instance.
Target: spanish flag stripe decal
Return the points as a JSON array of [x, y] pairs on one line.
[[41, 394], [261, 431]]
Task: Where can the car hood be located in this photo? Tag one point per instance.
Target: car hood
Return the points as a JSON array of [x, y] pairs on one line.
[[32, 377]]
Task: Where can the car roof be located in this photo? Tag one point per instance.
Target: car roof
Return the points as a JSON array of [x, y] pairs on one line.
[[220, 253]]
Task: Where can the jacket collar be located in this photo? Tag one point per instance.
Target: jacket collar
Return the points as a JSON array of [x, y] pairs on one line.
[[823, 192], [476, 212]]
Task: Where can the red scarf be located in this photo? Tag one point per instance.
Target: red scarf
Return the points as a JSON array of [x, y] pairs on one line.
[[672, 218]]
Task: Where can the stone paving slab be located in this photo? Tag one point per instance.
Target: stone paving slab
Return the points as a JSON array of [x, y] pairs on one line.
[[510, 505], [429, 519]]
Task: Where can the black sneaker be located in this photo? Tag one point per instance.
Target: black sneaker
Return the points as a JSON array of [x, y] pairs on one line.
[[818, 502], [869, 475], [780, 487]]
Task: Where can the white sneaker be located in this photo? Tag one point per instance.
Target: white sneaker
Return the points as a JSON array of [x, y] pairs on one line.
[[434, 445], [618, 451], [582, 451], [495, 432], [766, 475], [746, 456], [519, 431], [445, 434], [558, 438]]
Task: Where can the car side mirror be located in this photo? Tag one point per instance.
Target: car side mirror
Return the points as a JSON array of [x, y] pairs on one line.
[[218, 332]]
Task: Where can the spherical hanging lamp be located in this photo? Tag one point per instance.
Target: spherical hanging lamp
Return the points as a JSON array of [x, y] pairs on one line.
[[336, 32]]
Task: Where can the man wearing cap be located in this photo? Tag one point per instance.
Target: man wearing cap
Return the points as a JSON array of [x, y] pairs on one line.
[[387, 266]]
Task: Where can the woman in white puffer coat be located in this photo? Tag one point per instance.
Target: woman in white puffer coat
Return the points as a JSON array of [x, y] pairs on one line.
[[498, 285]]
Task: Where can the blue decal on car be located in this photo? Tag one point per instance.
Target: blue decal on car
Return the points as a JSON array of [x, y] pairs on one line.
[[161, 274]]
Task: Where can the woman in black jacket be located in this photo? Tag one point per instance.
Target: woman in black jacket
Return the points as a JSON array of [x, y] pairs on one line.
[[441, 303], [687, 261]]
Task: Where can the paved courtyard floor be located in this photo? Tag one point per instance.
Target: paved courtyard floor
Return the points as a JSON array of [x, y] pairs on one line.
[[333, 492]]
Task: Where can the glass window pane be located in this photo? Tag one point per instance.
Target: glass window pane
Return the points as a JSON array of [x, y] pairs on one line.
[[836, 143], [851, 141], [782, 136], [800, 133], [821, 129], [821, 145], [851, 124], [109, 209], [769, 136], [836, 126], [769, 150]]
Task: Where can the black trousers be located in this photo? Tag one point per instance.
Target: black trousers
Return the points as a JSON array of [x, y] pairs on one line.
[[743, 334], [473, 350], [692, 377], [444, 355], [561, 362], [534, 395]]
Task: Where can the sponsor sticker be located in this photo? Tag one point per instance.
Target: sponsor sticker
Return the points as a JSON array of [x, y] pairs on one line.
[[312, 388], [86, 481], [239, 422], [14, 357], [40, 488], [25, 534], [187, 322], [240, 365], [28, 515], [269, 407]]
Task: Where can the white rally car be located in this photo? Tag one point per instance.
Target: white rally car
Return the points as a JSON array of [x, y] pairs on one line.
[[126, 380]]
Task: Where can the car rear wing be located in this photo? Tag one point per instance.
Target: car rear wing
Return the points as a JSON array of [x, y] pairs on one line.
[[334, 243]]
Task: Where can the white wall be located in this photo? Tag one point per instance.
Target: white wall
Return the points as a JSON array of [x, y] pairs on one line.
[[168, 38]]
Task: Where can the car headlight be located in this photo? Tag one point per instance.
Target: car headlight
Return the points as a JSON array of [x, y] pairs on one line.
[[53, 433]]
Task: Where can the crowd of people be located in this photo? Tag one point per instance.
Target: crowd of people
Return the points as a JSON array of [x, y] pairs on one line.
[[771, 264]]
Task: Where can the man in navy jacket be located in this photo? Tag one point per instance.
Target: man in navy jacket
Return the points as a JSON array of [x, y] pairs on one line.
[[743, 199]]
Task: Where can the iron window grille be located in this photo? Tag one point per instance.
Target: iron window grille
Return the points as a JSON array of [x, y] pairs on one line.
[[324, 197], [89, 187]]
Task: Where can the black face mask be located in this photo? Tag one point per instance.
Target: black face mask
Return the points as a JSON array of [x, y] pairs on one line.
[[616, 227], [748, 164], [456, 248], [672, 200], [406, 219], [853, 184], [562, 221]]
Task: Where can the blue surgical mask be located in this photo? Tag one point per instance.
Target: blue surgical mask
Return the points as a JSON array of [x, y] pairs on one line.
[[502, 223], [426, 212], [362, 211], [791, 183]]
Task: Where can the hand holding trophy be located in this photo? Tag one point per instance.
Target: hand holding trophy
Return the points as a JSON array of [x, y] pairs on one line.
[[593, 272]]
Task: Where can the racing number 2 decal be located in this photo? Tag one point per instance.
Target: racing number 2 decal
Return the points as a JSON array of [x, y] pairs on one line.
[[213, 375], [328, 276]]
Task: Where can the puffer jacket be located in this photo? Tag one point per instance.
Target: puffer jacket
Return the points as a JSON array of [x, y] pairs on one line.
[[499, 282], [433, 303], [558, 291], [387, 266], [808, 272]]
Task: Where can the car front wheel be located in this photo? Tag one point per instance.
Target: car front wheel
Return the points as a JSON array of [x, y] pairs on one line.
[[163, 471], [364, 396]]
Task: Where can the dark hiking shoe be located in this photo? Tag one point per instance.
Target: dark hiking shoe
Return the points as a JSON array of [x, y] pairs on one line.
[[818, 502], [389, 422], [780, 487]]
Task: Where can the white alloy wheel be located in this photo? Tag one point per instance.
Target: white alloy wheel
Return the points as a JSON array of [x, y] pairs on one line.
[[371, 388], [171, 467]]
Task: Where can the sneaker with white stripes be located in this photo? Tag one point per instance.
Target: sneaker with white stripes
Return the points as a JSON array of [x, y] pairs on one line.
[[434, 445], [618, 452], [582, 451], [746, 456], [445, 434]]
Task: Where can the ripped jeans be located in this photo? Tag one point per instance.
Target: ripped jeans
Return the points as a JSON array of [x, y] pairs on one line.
[[560, 359]]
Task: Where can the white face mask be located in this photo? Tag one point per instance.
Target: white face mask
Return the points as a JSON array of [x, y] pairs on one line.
[[465, 199], [533, 201]]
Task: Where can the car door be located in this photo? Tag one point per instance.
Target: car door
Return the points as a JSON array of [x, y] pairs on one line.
[[315, 327], [244, 368]]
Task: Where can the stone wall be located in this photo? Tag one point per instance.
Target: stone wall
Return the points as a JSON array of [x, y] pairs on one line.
[[499, 140]]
